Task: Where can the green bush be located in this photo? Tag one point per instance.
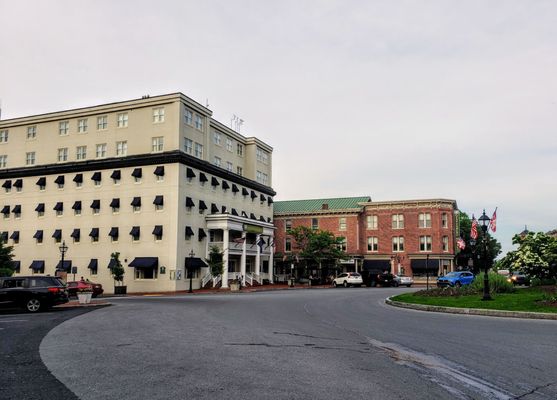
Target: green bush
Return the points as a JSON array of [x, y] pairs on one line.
[[447, 291], [6, 272], [497, 283], [542, 282]]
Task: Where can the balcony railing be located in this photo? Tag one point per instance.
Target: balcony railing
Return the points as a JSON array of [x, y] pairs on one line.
[[251, 248]]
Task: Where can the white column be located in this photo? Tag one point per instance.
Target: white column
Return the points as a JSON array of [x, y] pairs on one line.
[[225, 245], [243, 260], [258, 256], [271, 254]]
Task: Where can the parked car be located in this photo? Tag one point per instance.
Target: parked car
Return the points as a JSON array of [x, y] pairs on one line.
[[375, 278], [80, 286], [348, 279], [457, 279], [33, 293], [401, 280], [518, 278]]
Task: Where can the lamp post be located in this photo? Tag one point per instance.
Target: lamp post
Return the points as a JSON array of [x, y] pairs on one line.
[[427, 271], [192, 255], [63, 249], [484, 223]]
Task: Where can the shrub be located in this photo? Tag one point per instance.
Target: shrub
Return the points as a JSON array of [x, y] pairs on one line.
[[497, 283], [447, 292], [542, 282]]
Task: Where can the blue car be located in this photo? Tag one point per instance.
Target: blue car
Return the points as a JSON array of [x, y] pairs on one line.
[[455, 279]]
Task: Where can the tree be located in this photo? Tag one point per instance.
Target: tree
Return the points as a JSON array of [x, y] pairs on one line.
[[536, 255], [216, 265], [116, 268], [6, 256], [474, 251]]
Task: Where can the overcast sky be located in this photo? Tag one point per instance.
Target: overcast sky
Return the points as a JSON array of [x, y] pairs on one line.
[[392, 99]]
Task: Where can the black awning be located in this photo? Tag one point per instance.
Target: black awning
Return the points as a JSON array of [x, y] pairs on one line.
[[377, 266], [16, 265], [77, 205], [159, 171], [201, 234], [214, 181], [116, 174], [97, 177], [202, 177], [15, 235], [76, 234], [145, 262], [136, 202], [422, 265], [115, 203], [202, 205], [235, 188], [94, 233], [189, 202], [262, 218], [135, 231], [16, 209], [189, 231], [159, 200], [137, 173], [78, 178], [6, 210], [252, 216], [40, 207], [194, 263], [244, 214], [60, 180], [57, 234], [234, 212], [262, 198], [245, 192], [59, 206], [111, 263], [214, 208], [113, 232], [190, 173], [225, 185], [18, 183], [37, 265], [7, 184], [269, 220], [41, 181], [157, 230], [93, 264], [96, 204], [67, 266], [223, 209], [253, 194], [38, 235]]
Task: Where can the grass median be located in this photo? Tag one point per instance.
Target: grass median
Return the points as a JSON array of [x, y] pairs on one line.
[[534, 299]]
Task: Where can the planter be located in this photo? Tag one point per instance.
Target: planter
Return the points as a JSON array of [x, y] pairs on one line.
[[84, 297], [234, 287], [120, 289]]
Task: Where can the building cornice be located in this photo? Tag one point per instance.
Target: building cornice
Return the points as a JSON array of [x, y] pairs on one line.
[[406, 204], [331, 213]]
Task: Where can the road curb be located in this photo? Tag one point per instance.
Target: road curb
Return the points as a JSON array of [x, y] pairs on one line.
[[472, 311]]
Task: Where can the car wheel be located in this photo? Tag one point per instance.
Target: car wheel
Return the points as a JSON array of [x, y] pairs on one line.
[[33, 305], [372, 284], [408, 285], [334, 284], [395, 284], [458, 284], [346, 284]]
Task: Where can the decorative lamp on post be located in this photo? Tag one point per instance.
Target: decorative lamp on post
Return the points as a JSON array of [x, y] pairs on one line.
[[427, 271], [63, 249], [484, 224], [190, 269]]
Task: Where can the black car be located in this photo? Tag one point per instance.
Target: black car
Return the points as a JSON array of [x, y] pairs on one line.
[[518, 278], [33, 293], [378, 278]]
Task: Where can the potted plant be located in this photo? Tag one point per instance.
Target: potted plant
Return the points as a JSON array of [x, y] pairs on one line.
[[235, 285], [84, 294], [117, 272], [216, 265]]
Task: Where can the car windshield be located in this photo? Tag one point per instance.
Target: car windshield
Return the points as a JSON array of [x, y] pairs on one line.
[[452, 274], [354, 274]]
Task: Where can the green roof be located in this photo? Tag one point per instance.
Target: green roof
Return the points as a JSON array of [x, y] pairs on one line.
[[312, 205]]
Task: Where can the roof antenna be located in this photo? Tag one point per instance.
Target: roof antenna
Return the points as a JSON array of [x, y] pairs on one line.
[[206, 103]]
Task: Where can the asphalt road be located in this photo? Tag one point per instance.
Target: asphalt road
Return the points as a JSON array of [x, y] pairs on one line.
[[298, 344]]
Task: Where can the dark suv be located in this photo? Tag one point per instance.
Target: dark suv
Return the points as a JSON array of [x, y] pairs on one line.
[[33, 293], [378, 278]]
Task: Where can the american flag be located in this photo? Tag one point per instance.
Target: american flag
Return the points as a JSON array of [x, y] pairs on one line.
[[461, 243], [474, 230], [493, 222]]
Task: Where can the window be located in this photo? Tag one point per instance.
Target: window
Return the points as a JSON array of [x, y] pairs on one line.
[[342, 224], [101, 150], [122, 148], [17, 211], [314, 224], [157, 232], [146, 273], [81, 152], [3, 161], [397, 221], [398, 243], [188, 146], [157, 144], [198, 122], [239, 171], [136, 204], [82, 125], [262, 177], [158, 115], [371, 221], [159, 203], [444, 220], [115, 205], [198, 150], [425, 243], [4, 136], [445, 243], [240, 149], [229, 166], [123, 120], [424, 220], [102, 122], [31, 132], [262, 156], [63, 154], [217, 161], [372, 244], [30, 158], [287, 225], [188, 117], [40, 210], [288, 244], [342, 243], [63, 128], [229, 144], [217, 138], [135, 233]]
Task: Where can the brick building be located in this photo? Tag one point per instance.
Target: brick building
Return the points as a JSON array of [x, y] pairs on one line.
[[403, 237]]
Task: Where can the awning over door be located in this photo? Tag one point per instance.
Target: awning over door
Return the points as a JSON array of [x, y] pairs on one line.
[[377, 265], [145, 262]]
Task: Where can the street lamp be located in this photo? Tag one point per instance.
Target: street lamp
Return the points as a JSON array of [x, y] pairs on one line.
[[63, 249], [427, 271], [192, 255], [484, 224]]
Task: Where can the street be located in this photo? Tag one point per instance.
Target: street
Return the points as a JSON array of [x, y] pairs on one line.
[[298, 344]]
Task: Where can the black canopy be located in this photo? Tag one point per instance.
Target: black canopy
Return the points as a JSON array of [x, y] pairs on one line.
[[202, 177], [41, 181], [97, 176], [157, 231], [76, 233], [159, 171], [77, 205], [189, 231], [67, 266], [136, 202], [214, 208], [262, 198], [225, 185], [15, 235], [37, 265], [94, 233], [235, 188], [201, 234], [253, 194], [137, 173], [38, 235], [159, 200], [113, 232], [6, 210], [214, 181], [115, 203], [245, 192], [57, 234], [202, 205], [190, 173], [189, 202], [78, 178], [194, 263], [377, 266], [40, 207], [96, 204], [18, 183], [93, 264], [135, 231], [116, 174], [7, 184], [234, 212], [16, 209], [60, 180], [59, 206], [145, 262]]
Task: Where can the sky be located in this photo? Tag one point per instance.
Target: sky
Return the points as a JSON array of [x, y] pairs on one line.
[[392, 99]]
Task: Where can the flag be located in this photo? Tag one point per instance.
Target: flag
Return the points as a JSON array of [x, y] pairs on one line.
[[493, 222], [260, 243], [461, 243], [474, 230], [239, 240]]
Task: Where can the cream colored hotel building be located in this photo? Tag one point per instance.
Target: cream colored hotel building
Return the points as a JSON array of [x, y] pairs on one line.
[[153, 178]]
